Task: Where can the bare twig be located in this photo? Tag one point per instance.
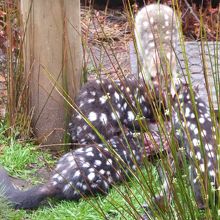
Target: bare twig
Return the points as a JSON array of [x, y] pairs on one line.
[[196, 17]]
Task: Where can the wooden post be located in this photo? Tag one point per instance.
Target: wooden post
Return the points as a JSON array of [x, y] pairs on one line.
[[52, 50]]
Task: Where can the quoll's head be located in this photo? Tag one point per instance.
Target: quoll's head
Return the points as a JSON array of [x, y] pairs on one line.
[[156, 33]]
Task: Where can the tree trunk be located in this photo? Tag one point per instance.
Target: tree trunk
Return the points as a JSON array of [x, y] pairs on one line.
[[52, 62]]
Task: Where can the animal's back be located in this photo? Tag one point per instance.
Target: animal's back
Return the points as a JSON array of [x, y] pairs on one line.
[[156, 33]]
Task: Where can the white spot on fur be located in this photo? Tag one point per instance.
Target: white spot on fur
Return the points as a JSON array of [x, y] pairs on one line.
[[90, 149], [91, 176], [86, 165], [93, 93], [202, 120], [187, 112], [103, 118], [208, 147], [106, 185], [98, 162], [76, 174], [54, 183], [91, 100], [115, 115], [102, 172], [192, 115], [109, 162], [204, 133], [196, 142], [201, 104], [84, 187], [125, 105], [81, 104], [90, 154], [202, 167], [70, 157], [92, 116], [67, 186], [196, 131], [212, 173], [198, 156], [79, 117], [78, 130], [117, 97], [180, 97], [130, 116], [103, 99], [192, 127], [128, 89], [91, 170], [211, 154]]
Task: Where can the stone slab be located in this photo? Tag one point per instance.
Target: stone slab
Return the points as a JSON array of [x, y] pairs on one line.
[[194, 63]]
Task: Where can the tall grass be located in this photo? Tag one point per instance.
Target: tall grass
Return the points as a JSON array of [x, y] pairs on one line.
[[183, 204], [143, 185], [17, 117]]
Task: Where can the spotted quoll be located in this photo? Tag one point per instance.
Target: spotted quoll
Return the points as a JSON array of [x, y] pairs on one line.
[[85, 171], [111, 106], [196, 141]]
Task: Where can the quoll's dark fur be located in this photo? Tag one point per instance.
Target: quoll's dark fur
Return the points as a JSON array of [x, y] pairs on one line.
[[86, 171], [94, 168], [106, 104], [200, 147], [199, 150], [109, 107]]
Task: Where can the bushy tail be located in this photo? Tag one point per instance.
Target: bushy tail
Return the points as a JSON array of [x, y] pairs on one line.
[[19, 199]]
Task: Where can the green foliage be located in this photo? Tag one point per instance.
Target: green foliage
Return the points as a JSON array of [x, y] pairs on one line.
[[21, 159], [113, 206]]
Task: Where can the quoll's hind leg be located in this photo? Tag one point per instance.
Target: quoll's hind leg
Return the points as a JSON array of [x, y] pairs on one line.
[[95, 168]]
